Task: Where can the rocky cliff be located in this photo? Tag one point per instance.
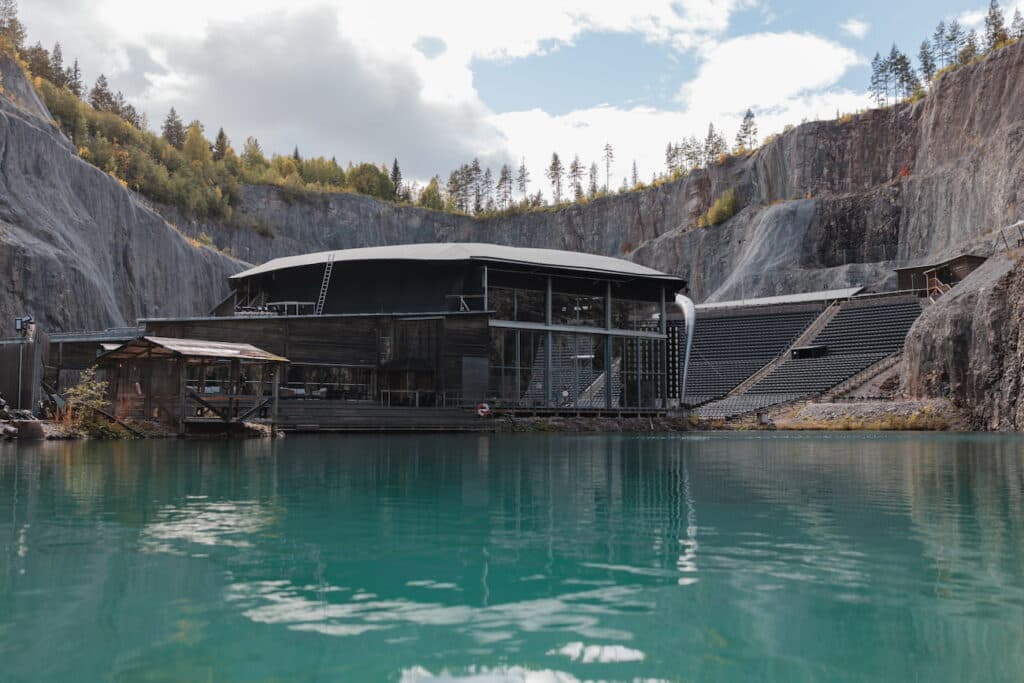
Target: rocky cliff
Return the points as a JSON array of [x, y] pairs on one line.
[[969, 346], [77, 250], [829, 203]]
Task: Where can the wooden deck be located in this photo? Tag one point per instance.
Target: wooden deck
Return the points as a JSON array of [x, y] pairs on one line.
[[339, 416]]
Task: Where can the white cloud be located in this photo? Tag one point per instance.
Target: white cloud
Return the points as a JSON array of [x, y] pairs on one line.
[[975, 18], [352, 79], [761, 70], [855, 27], [785, 77]]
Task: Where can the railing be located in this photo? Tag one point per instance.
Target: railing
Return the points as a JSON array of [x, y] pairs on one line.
[[227, 407], [936, 287], [420, 398]]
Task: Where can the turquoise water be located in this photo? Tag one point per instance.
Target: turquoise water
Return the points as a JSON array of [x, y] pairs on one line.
[[512, 558]]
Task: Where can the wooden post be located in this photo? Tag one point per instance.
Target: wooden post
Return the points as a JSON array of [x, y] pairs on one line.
[[547, 346], [485, 287], [608, 364], [277, 397], [663, 355], [182, 395], [233, 389], [147, 388]]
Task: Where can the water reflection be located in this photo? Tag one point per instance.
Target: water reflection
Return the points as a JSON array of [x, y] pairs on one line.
[[516, 558]]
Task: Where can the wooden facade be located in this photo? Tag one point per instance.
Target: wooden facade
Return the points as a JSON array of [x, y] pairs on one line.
[[179, 382], [934, 279]]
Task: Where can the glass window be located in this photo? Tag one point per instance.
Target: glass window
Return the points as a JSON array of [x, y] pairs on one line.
[[635, 315], [577, 309]]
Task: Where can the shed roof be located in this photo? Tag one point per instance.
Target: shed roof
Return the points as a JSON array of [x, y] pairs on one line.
[[466, 251], [169, 347], [803, 298], [939, 264]]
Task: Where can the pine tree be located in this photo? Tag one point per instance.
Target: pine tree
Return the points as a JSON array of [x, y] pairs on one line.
[[592, 189], [636, 175], [609, 157], [555, 173], [908, 80], [74, 80], [670, 158], [576, 177], [693, 152], [57, 72], [220, 145], [523, 178], [940, 45], [1017, 27], [877, 87], [396, 178], [487, 190], [927, 59], [38, 60], [11, 27], [173, 130], [971, 49], [746, 136], [100, 96], [504, 186], [475, 185], [995, 26], [714, 146], [296, 157], [954, 40]]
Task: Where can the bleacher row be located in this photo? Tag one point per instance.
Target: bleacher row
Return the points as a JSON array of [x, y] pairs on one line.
[[727, 350]]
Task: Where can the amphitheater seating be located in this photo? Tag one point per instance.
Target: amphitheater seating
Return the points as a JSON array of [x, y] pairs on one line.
[[729, 349], [857, 337], [731, 406]]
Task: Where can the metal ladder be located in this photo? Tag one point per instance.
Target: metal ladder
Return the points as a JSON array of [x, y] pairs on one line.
[[328, 269]]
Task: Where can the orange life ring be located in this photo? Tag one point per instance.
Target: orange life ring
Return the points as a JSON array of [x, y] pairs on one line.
[[483, 410]]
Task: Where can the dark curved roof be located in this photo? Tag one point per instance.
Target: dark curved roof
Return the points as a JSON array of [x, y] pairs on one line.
[[466, 251]]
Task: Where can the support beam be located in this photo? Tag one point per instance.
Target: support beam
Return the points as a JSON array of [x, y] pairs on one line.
[[209, 406], [547, 345], [277, 396], [609, 364], [236, 367], [182, 394], [663, 355], [485, 288]]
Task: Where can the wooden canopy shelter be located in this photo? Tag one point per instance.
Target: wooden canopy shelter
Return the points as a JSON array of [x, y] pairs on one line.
[[182, 381]]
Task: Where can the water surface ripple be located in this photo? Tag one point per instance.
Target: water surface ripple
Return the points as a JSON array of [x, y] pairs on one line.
[[859, 557]]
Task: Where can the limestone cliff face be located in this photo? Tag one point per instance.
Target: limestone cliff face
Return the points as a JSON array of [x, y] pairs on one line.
[[969, 346], [828, 204], [77, 250]]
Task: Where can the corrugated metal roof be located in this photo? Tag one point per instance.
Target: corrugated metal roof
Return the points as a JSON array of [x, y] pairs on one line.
[[190, 348], [806, 297], [939, 264], [465, 251]]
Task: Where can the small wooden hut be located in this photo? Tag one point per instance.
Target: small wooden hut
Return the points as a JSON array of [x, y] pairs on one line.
[[192, 381]]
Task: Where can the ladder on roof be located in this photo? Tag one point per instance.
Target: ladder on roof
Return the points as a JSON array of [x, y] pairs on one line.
[[322, 298]]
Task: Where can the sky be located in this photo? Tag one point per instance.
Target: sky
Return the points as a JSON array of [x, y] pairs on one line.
[[438, 83]]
